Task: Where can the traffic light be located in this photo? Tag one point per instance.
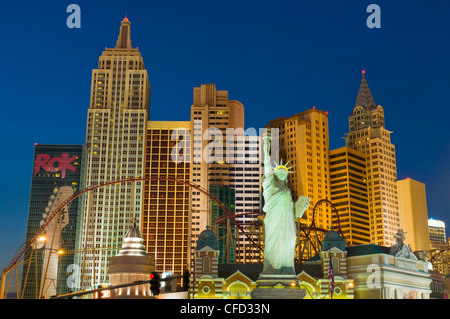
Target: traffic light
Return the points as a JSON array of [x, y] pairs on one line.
[[186, 279], [155, 283]]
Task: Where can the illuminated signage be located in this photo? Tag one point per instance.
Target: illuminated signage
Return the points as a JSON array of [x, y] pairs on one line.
[[56, 164], [104, 294]]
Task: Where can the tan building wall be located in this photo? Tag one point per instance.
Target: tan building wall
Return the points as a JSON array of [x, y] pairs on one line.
[[413, 213]]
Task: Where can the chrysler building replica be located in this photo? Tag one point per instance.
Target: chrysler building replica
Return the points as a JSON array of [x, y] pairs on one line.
[[367, 134]]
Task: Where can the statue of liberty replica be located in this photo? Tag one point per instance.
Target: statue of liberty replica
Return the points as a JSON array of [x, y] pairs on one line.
[[279, 230]]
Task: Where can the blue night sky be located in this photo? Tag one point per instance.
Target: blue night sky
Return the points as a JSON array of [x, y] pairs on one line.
[[276, 57]]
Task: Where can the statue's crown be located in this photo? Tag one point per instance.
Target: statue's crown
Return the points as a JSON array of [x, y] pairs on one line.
[[281, 166]]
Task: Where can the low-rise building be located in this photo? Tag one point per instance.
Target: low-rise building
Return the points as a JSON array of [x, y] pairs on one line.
[[366, 271]]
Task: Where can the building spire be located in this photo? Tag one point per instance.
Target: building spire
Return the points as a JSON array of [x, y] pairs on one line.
[[124, 40], [365, 98]]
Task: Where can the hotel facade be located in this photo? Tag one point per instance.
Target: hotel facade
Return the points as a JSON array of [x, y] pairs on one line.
[[58, 173]]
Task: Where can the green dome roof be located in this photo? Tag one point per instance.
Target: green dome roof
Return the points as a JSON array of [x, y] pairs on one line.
[[332, 235], [333, 239], [207, 238]]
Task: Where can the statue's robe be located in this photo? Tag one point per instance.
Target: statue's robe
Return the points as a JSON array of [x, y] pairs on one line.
[[279, 227]]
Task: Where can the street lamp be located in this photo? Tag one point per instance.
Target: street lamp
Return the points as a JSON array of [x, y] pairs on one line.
[[39, 242]]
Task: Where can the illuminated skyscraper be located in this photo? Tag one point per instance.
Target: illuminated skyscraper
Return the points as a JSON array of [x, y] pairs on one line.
[[58, 172], [436, 229], [369, 136], [304, 142], [211, 115], [245, 179], [439, 252], [166, 203], [348, 178], [115, 139], [224, 154]]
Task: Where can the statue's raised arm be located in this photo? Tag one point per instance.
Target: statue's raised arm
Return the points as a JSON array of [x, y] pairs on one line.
[[267, 138]]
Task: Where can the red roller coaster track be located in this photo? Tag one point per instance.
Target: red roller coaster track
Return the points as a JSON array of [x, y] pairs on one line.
[[20, 253], [313, 227]]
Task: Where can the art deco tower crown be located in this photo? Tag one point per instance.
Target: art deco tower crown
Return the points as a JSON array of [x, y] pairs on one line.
[[124, 39], [364, 97]]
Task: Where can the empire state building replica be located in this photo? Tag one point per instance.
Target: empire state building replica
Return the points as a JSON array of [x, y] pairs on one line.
[[115, 141]]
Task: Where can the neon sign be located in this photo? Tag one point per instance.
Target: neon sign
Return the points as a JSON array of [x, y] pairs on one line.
[[48, 164]]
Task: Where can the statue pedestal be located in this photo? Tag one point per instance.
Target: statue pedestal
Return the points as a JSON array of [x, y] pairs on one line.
[[277, 287]]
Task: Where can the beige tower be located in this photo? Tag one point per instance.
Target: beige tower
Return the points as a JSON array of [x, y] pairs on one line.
[[412, 202], [166, 203], [212, 113], [369, 136], [304, 142], [115, 140]]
